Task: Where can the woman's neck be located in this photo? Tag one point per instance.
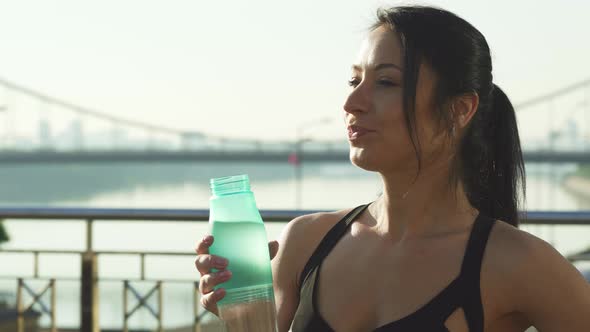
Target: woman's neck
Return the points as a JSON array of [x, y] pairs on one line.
[[423, 206]]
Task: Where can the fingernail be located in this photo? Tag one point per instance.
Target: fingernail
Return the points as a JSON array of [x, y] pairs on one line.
[[220, 292], [220, 261], [225, 274], [207, 238]]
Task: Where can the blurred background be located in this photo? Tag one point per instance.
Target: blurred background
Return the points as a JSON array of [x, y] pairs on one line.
[[135, 105]]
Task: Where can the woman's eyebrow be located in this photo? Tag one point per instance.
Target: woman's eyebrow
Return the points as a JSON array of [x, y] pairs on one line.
[[378, 67], [387, 65]]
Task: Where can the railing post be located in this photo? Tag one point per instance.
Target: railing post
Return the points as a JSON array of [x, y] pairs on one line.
[[89, 289], [196, 304], [53, 306], [160, 304], [20, 307], [125, 303], [142, 265], [36, 264]]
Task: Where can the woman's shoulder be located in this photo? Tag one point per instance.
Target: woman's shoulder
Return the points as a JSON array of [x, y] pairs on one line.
[[518, 267], [302, 235], [512, 248], [308, 230], [512, 253]]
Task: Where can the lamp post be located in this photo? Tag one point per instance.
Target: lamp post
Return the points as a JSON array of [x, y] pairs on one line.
[[297, 157], [4, 109]]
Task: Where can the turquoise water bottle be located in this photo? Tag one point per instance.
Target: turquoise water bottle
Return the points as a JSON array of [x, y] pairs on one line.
[[240, 236]]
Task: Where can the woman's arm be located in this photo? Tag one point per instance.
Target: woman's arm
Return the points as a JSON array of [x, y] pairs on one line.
[[298, 241], [548, 289], [284, 271]]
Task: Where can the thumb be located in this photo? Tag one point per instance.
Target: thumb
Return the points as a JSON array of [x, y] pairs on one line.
[[273, 248]]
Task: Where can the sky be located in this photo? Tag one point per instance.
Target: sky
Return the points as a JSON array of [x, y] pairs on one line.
[[258, 68]]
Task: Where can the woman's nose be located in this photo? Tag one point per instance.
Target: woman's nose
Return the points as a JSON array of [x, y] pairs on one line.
[[357, 101]]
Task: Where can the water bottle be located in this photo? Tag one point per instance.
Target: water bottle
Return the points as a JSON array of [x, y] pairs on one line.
[[240, 236]]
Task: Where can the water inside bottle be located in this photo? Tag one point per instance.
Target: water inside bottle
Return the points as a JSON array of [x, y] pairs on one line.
[[245, 245]]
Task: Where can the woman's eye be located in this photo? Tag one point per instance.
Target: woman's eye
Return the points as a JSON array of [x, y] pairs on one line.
[[384, 82], [353, 82]]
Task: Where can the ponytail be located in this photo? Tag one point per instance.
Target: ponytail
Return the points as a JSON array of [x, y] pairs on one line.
[[491, 160]]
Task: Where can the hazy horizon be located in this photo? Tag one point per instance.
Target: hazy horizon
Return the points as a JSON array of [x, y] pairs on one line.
[[255, 69]]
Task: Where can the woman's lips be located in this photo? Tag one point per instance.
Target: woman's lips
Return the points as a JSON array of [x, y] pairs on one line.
[[356, 132]]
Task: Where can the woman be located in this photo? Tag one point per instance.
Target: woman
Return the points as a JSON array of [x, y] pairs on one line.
[[439, 250]]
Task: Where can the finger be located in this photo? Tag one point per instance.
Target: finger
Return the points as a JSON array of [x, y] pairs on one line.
[[273, 248], [205, 263], [209, 281], [210, 300], [204, 244]]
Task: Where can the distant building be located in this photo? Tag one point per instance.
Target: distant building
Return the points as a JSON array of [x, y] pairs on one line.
[[45, 137]]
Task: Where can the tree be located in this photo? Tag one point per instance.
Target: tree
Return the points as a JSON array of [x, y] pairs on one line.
[[3, 234]]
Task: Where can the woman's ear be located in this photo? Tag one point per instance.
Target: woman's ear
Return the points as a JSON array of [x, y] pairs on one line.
[[464, 108]]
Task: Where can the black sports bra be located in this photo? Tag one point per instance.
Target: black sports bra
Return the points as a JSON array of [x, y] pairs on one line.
[[463, 292]]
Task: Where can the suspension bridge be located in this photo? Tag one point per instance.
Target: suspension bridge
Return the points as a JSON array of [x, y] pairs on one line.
[[554, 128]]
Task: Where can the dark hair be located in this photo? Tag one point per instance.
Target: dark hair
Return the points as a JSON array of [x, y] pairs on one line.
[[489, 159]]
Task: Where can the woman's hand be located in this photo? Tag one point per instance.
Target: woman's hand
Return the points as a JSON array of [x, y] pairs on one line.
[[205, 262]]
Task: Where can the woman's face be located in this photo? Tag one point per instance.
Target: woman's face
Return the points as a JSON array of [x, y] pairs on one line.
[[373, 112]]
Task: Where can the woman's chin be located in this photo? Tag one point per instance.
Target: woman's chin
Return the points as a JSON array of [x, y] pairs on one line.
[[362, 159]]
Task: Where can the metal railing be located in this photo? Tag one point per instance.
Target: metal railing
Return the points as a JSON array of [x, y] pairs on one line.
[[89, 276]]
